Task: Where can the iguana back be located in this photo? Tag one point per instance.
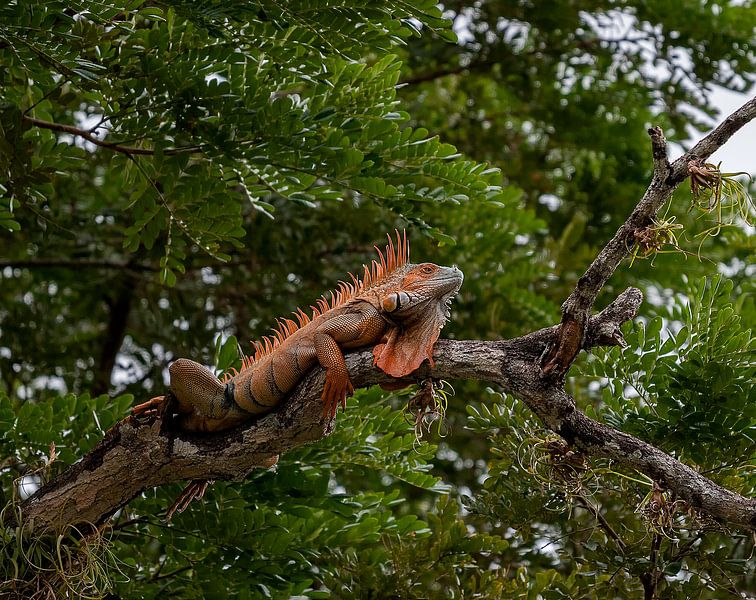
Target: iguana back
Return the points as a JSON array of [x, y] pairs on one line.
[[398, 307]]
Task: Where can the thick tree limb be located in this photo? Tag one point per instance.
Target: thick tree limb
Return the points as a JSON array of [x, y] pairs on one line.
[[134, 457]]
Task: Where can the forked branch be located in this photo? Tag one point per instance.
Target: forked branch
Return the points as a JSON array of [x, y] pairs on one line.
[[134, 457], [666, 177]]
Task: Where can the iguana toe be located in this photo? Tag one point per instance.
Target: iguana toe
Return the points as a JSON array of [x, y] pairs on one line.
[[148, 409]]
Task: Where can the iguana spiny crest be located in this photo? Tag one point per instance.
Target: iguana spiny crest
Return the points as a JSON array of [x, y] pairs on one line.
[[397, 306]]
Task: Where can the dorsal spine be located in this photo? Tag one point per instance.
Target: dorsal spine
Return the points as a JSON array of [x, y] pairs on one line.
[[393, 257]]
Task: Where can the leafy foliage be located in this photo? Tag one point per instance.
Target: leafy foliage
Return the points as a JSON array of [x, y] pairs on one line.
[[174, 175], [550, 506], [559, 96], [305, 524], [687, 382], [225, 105]]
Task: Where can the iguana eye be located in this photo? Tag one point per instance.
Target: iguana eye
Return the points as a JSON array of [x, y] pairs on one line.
[[426, 270], [394, 301]]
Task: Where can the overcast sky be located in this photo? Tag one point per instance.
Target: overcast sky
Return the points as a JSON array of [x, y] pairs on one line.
[[739, 154]]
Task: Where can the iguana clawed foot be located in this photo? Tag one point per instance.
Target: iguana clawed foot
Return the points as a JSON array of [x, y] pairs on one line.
[[197, 488], [335, 392], [194, 491], [148, 409]]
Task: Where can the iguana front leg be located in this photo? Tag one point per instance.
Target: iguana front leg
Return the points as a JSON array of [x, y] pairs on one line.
[[148, 409], [337, 384], [349, 330]]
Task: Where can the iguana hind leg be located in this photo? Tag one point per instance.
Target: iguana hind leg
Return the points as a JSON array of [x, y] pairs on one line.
[[200, 397], [197, 390]]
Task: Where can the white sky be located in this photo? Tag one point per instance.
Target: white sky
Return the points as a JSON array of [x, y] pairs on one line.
[[738, 154]]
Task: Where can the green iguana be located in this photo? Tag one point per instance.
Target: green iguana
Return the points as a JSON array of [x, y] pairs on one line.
[[397, 307]]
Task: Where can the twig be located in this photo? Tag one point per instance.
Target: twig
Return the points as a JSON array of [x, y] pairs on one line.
[[596, 512], [650, 579], [683, 551], [115, 146], [432, 75]]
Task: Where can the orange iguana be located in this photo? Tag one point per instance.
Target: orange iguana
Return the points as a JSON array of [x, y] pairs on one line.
[[397, 307]]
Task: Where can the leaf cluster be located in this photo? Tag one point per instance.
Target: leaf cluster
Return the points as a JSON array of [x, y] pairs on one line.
[[685, 378], [207, 109]]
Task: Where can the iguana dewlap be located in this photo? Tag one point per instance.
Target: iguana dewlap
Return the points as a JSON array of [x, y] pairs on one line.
[[397, 307]]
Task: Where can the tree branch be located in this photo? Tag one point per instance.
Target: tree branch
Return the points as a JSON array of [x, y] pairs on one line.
[[115, 146], [605, 525], [119, 299], [478, 65], [665, 179], [134, 457]]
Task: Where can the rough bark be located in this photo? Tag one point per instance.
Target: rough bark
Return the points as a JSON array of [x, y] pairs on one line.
[[134, 457]]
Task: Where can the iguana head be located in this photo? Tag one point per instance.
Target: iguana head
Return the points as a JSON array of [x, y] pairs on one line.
[[416, 298]]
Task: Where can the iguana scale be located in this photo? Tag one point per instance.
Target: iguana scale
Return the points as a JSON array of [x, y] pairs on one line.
[[397, 307]]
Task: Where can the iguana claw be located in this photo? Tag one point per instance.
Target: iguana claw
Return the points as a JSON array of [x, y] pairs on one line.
[[151, 408], [194, 491], [197, 488], [335, 393]]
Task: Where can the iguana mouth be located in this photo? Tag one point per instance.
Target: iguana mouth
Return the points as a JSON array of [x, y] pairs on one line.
[[455, 278]]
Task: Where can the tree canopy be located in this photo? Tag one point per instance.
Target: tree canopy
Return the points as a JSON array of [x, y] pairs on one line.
[[177, 174]]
